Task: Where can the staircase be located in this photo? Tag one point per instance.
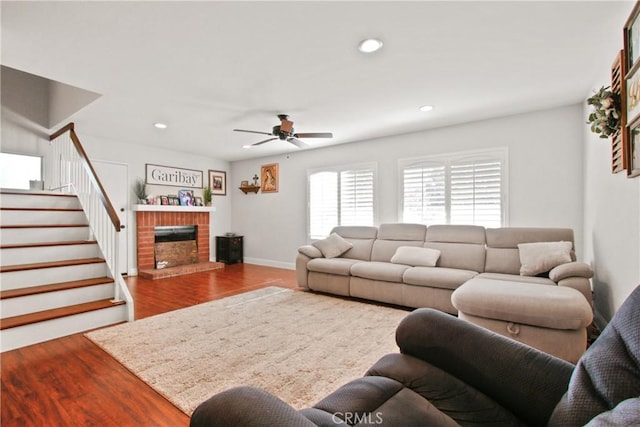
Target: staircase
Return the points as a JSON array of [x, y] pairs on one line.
[[54, 280]]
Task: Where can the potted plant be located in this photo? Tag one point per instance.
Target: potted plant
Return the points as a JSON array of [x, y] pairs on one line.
[[605, 118], [140, 190], [207, 194]]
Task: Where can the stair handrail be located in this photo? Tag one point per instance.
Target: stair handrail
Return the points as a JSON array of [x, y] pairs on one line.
[[115, 220], [66, 164]]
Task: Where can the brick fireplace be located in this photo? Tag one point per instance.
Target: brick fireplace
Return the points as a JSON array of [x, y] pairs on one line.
[[149, 217]]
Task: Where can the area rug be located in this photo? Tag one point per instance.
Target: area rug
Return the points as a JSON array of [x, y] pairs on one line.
[[297, 345]]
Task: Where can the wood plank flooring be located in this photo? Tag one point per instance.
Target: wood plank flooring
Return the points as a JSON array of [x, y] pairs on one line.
[[72, 382]]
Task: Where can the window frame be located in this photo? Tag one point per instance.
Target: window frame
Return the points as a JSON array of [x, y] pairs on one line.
[[373, 166], [447, 159]]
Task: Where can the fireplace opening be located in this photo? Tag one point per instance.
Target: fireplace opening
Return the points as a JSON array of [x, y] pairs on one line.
[[175, 245]]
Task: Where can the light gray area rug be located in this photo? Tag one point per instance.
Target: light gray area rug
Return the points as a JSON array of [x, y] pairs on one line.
[[297, 345]]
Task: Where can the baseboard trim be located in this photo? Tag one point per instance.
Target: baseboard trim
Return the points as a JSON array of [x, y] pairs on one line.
[[270, 263]]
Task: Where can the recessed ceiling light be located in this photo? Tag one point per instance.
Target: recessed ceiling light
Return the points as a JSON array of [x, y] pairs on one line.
[[426, 108], [246, 146], [369, 45], [160, 125]]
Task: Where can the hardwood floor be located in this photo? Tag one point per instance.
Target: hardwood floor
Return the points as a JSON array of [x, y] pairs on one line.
[[72, 382]]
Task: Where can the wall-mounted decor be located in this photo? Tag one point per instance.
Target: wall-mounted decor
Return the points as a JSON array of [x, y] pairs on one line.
[[633, 154], [218, 182], [176, 177], [269, 178], [632, 40]]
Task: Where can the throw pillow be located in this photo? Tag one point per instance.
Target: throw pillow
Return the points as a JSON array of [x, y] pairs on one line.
[[414, 256], [333, 246], [540, 257]]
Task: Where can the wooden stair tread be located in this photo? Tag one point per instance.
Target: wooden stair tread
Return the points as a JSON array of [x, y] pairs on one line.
[[39, 265], [37, 193], [41, 316], [42, 209], [44, 225], [62, 286], [44, 244]]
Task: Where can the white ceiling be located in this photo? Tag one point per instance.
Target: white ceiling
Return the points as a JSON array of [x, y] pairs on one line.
[[205, 68]]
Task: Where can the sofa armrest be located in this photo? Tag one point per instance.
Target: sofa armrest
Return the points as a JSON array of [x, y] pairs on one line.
[[310, 251], [524, 380], [570, 269], [246, 406]]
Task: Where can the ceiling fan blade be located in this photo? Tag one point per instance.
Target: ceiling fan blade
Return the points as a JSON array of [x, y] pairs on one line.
[[314, 135], [253, 131], [297, 142], [262, 142]]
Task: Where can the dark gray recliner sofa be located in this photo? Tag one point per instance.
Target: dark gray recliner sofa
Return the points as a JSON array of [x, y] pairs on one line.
[[451, 372]]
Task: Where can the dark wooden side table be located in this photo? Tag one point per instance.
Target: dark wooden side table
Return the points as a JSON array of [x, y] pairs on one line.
[[229, 249]]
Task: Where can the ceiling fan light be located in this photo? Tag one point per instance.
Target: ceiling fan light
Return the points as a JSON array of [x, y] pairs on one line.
[[247, 146], [369, 45]]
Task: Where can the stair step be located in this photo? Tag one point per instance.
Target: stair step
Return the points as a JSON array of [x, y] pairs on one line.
[[15, 293], [42, 316], [36, 193], [41, 209], [42, 226], [39, 265], [46, 244]]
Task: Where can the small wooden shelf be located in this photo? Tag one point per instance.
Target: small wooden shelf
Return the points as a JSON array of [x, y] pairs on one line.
[[250, 189]]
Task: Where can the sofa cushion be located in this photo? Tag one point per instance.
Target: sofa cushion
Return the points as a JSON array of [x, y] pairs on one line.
[[361, 237], [540, 257], [502, 245], [340, 266], [401, 231], [333, 246], [310, 251], [414, 256], [437, 277], [528, 303], [464, 256], [449, 233], [384, 271]]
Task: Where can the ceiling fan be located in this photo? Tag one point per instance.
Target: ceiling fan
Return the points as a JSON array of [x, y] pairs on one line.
[[285, 132]]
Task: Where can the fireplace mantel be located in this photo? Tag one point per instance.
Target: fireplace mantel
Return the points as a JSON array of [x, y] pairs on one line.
[[165, 208]]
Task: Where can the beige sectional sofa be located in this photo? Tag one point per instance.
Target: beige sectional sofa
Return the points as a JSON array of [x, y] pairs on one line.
[[375, 266]]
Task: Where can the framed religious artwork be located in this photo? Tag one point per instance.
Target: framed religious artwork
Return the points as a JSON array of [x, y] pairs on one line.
[[269, 180]]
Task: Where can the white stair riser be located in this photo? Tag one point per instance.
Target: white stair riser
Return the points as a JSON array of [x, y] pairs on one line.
[[42, 217], [12, 236], [34, 333], [46, 276], [17, 256], [9, 200], [40, 302]]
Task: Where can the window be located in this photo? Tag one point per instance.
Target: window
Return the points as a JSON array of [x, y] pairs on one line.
[[340, 196], [465, 188], [16, 170]]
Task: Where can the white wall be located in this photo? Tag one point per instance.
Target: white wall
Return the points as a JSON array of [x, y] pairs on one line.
[[545, 178], [611, 225]]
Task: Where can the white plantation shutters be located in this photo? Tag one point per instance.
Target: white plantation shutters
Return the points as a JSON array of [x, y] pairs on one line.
[[476, 192], [342, 196], [424, 194], [455, 189]]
